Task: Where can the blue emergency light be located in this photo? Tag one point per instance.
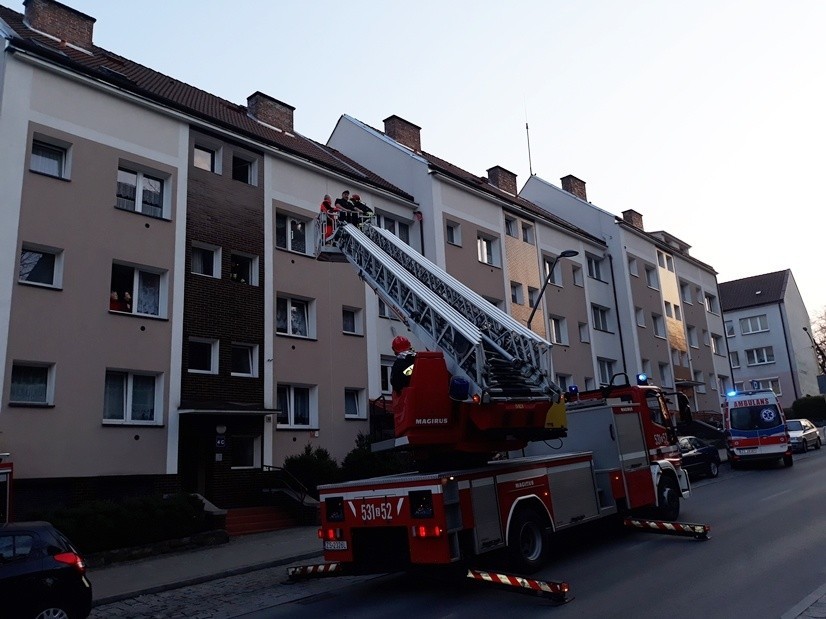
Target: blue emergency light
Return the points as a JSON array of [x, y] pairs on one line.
[[642, 379]]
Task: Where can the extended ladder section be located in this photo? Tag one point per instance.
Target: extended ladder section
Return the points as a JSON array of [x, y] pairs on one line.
[[497, 354]]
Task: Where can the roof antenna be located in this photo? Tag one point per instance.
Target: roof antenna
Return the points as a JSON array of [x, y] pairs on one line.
[[528, 134]]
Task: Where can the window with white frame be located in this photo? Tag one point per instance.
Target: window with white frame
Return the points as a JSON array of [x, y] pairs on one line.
[[599, 315], [685, 293], [244, 360], [678, 314], [351, 321], [691, 332], [633, 268], [40, 265], [716, 344], [639, 314], [516, 293], [710, 302], [589, 383], [291, 233], [244, 268], [533, 296], [245, 169], [669, 263], [770, 383], [50, 157], [595, 268], [646, 367], [698, 378], [722, 383], [659, 325], [754, 324], [206, 259], [138, 290], [734, 358], [510, 226], [563, 381], [384, 373], [558, 330], [675, 356], [576, 272], [293, 317], [297, 407], [668, 311], [204, 158], [661, 259], [706, 338], [665, 375], [354, 404], [606, 370], [527, 233], [651, 278], [394, 226], [132, 398], [760, 356], [142, 192], [711, 381], [738, 386], [453, 232], [31, 384], [244, 451], [584, 333], [554, 277], [203, 355], [386, 312], [487, 249], [729, 325]]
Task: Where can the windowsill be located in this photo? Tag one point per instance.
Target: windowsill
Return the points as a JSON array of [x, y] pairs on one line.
[[47, 175], [205, 275], [650, 287], [662, 337], [205, 372], [131, 424], [129, 210], [235, 281], [454, 243], [39, 285], [488, 264], [355, 418], [233, 374], [281, 426], [294, 252], [597, 279], [30, 405], [352, 333], [149, 316], [296, 337], [604, 330]]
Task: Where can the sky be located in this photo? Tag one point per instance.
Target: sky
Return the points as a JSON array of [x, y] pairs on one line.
[[708, 117]]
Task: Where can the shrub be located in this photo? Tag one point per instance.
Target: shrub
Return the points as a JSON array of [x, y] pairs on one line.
[[361, 462], [313, 467], [810, 407]]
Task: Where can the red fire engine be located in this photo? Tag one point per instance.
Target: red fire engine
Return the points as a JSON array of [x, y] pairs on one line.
[[486, 395]]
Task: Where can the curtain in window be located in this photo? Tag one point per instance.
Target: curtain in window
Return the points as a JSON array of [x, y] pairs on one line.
[[152, 196], [127, 187], [114, 397], [281, 316], [281, 231], [149, 293], [348, 319], [47, 159], [283, 405], [298, 318], [28, 384], [298, 240], [201, 261], [301, 401], [143, 398], [351, 404]]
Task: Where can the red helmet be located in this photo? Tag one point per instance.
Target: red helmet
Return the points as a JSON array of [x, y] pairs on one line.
[[400, 344], [355, 197]]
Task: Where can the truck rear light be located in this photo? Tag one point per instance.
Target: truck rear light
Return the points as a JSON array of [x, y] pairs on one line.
[[423, 531], [421, 504], [329, 534], [334, 507]]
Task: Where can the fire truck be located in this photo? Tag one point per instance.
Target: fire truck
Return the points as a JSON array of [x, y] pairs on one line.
[[504, 458]]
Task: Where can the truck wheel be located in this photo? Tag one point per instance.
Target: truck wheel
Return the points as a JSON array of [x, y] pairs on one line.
[[526, 542], [668, 497], [788, 461]]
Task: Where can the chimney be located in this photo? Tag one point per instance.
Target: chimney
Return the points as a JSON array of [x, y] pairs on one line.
[[60, 21], [270, 111], [634, 218], [404, 132], [573, 185], [503, 179]]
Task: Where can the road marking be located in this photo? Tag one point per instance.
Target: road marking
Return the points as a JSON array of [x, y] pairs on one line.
[[772, 496]]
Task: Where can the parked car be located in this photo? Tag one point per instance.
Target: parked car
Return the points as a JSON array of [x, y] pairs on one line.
[[42, 576], [699, 458], [803, 434]]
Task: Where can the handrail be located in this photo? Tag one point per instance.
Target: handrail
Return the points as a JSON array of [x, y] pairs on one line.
[[296, 486]]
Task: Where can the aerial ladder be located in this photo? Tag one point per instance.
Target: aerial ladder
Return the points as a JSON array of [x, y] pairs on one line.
[[487, 388]]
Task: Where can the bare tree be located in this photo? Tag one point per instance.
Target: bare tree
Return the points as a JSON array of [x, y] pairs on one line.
[[818, 336]]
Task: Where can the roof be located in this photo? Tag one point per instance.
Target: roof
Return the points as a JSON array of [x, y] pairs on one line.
[[105, 66], [753, 291]]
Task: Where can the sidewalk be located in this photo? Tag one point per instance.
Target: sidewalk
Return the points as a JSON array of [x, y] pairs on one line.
[[168, 571]]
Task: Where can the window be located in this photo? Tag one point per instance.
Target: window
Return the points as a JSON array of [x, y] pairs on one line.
[[137, 291], [576, 272], [49, 159], [668, 311], [706, 338], [659, 325], [760, 356], [558, 330], [244, 360], [487, 249], [716, 344], [292, 317], [353, 407], [510, 226], [729, 328], [685, 293], [244, 268], [584, 332], [661, 259], [651, 278], [527, 233], [516, 293], [204, 158], [294, 405], [589, 383], [15, 546], [206, 260], [351, 321], [665, 261], [754, 324], [646, 367], [245, 451], [710, 302], [131, 398], [769, 383], [291, 233], [734, 359], [665, 375], [203, 356], [640, 316], [533, 296], [554, 277], [399, 228], [563, 381], [244, 170], [384, 370], [692, 336], [140, 192], [678, 314], [41, 265], [698, 378], [606, 370], [633, 269], [600, 317], [32, 383], [454, 233], [595, 268], [722, 383], [386, 312]]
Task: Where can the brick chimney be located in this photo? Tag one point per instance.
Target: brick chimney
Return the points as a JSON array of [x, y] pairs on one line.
[[573, 185], [270, 111], [60, 21], [503, 179], [404, 132], [634, 218]]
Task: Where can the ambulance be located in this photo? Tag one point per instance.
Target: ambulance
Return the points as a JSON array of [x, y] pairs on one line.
[[755, 428]]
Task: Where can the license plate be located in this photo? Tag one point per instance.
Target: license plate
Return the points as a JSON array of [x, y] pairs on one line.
[[747, 448], [335, 545]]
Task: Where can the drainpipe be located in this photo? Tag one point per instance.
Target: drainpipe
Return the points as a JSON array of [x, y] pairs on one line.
[[616, 310], [792, 369]]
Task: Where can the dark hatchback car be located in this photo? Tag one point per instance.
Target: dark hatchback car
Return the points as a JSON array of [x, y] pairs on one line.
[[42, 576], [699, 458]]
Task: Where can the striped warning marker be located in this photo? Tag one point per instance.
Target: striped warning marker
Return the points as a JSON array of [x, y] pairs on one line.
[[697, 531], [314, 571], [556, 590]]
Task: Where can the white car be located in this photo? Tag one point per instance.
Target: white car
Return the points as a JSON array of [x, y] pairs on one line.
[[803, 434]]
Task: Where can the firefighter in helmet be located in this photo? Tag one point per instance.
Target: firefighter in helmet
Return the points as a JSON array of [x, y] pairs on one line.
[[402, 368]]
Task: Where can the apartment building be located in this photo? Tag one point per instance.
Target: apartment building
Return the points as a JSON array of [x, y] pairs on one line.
[[765, 328]]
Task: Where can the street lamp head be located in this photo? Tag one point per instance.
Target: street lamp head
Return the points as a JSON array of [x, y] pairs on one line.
[[569, 253]]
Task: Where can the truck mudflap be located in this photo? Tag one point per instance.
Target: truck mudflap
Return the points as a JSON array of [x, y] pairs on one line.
[[683, 529], [557, 592]]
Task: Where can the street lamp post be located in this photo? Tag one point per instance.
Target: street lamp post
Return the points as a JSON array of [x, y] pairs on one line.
[[568, 253]]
